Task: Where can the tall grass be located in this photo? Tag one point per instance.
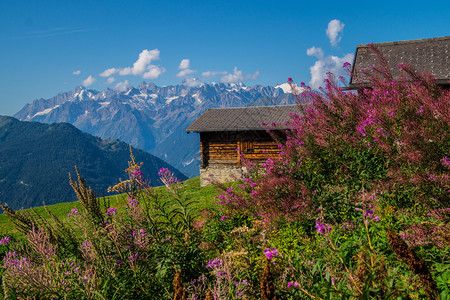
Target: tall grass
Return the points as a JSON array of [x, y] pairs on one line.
[[203, 195]]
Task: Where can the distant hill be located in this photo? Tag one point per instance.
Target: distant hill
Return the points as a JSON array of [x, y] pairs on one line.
[[36, 158], [150, 117]]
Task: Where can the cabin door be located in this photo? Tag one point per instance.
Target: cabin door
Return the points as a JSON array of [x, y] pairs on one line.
[[244, 148]]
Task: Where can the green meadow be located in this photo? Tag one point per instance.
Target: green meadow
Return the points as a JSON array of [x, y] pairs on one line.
[[203, 196]]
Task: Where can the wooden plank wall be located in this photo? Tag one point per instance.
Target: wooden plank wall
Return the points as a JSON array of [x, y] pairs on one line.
[[261, 151], [223, 153], [223, 148]]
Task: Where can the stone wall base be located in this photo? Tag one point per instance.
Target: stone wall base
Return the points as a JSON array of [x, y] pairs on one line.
[[219, 173]]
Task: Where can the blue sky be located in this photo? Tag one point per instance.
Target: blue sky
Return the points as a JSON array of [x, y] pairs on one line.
[[48, 47]]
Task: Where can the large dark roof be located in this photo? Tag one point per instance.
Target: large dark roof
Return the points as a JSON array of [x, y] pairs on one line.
[[242, 118], [430, 55]]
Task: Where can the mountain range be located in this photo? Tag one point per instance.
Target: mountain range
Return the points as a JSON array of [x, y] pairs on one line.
[[150, 117], [36, 159]]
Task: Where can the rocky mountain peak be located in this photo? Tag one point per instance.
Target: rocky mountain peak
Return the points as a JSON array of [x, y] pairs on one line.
[[150, 117]]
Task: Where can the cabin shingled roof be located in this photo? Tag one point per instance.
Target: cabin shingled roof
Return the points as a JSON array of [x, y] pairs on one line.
[[243, 118], [430, 55]]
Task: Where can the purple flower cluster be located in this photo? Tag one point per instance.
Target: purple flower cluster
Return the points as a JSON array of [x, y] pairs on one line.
[[293, 284], [73, 212], [111, 211], [369, 214], [212, 264], [270, 253], [167, 177], [133, 202], [163, 171], [11, 259], [86, 245], [5, 241], [322, 228], [137, 174], [133, 257], [445, 161], [230, 197], [370, 119]]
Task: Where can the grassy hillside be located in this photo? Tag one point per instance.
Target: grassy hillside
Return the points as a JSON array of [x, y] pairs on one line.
[[36, 159]]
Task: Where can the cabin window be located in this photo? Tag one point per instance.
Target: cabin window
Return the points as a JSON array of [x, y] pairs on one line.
[[246, 147], [250, 147]]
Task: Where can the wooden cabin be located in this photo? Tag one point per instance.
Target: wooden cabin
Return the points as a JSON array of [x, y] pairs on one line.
[[226, 133], [430, 55]]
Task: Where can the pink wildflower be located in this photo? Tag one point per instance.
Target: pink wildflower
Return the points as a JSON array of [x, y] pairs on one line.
[[270, 253], [111, 211], [73, 212], [322, 228], [214, 263], [5, 240]]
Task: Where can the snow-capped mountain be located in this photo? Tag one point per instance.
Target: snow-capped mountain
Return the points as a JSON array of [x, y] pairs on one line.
[[149, 117]]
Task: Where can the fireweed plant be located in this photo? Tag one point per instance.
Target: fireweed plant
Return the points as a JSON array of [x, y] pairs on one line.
[[356, 206], [354, 166], [109, 253]]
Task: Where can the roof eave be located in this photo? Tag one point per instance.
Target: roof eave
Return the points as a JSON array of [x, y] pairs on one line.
[[354, 86], [234, 129]]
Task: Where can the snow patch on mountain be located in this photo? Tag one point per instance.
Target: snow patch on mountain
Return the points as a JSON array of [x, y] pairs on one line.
[[79, 95], [170, 99], [197, 98], [44, 112], [187, 163]]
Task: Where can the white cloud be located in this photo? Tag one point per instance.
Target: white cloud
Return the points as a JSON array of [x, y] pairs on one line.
[[213, 73], [109, 72], [125, 71], [110, 80], [185, 72], [238, 76], [122, 86], [77, 72], [184, 64], [331, 64], [88, 81], [153, 72], [334, 31], [192, 82], [317, 52], [184, 67], [252, 76], [141, 67]]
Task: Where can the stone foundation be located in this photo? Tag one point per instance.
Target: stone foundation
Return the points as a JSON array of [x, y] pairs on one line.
[[219, 173]]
